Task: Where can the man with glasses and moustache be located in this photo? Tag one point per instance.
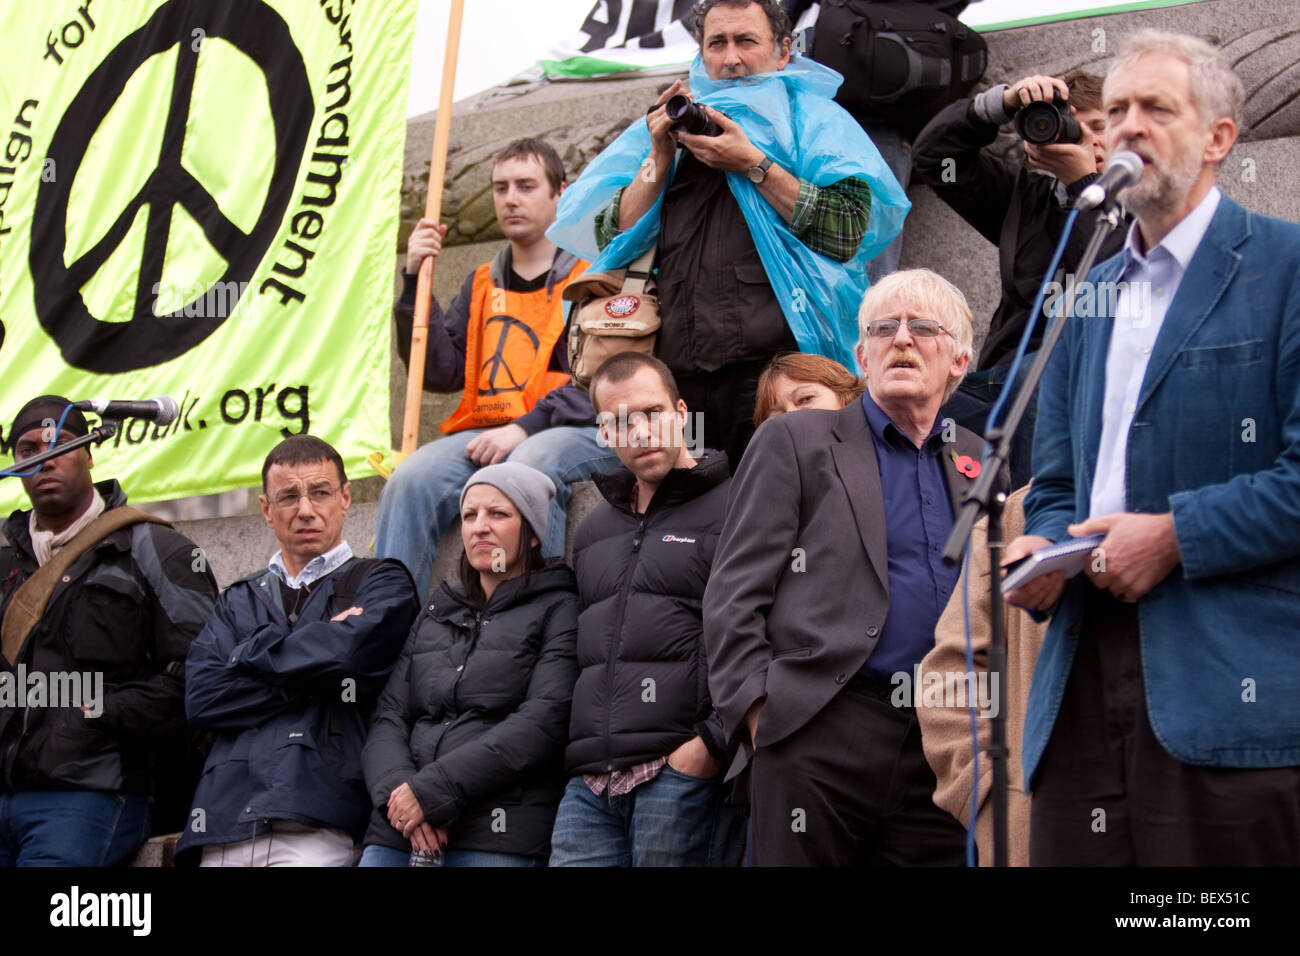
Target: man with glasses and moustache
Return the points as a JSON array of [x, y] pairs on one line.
[[828, 582]]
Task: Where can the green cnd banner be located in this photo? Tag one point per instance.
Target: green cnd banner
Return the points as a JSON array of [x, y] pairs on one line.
[[199, 199]]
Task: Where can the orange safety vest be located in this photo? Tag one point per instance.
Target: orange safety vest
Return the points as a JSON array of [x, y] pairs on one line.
[[511, 336]]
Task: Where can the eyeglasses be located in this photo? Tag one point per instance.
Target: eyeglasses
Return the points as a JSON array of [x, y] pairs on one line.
[[919, 328], [319, 496]]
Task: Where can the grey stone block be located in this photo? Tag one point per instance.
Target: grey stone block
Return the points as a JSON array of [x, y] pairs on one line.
[[937, 238], [157, 851], [1264, 176]]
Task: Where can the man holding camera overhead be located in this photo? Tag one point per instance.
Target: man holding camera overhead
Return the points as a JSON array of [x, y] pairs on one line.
[[724, 312], [1015, 207]]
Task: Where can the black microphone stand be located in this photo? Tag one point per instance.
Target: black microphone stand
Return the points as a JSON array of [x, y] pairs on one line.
[[98, 435], [980, 500]]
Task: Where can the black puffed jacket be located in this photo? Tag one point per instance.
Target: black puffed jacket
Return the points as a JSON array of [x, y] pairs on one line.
[[287, 699], [644, 686], [475, 714]]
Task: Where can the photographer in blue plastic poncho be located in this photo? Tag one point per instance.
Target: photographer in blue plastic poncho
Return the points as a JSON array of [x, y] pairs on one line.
[[764, 229]]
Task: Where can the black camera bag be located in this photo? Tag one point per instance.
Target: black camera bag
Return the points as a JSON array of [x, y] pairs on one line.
[[901, 62]]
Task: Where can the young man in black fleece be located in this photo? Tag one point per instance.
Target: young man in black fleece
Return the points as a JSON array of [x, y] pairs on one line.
[[646, 749]]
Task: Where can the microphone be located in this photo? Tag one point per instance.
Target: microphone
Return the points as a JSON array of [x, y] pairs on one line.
[[162, 410], [1123, 170]]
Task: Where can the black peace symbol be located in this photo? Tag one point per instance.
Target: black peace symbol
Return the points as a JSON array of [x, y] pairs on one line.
[[263, 36], [496, 362]]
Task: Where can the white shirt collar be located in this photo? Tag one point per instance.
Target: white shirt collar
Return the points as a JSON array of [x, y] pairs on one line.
[[1182, 240], [315, 569]]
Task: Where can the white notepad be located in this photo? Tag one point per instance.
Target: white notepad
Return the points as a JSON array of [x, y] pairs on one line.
[[1069, 557]]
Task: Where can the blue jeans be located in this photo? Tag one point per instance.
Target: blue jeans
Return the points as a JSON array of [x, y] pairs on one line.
[[969, 407], [71, 827], [898, 156], [376, 855], [672, 820], [422, 497]]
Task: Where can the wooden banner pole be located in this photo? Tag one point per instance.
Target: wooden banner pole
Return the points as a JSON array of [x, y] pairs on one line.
[[432, 210]]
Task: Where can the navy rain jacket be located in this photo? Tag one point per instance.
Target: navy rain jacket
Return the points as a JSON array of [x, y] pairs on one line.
[[290, 704]]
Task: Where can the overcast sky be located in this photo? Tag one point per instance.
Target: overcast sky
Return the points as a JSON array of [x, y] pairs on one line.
[[500, 38]]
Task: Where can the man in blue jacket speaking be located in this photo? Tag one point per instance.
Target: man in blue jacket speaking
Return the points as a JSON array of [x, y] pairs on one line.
[[1163, 724], [286, 673]]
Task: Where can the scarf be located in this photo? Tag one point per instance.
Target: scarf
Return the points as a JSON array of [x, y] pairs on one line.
[[45, 544]]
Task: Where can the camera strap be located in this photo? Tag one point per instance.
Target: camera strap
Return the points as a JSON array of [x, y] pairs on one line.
[[28, 604]]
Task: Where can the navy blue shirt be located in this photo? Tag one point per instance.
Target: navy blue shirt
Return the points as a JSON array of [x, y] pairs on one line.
[[918, 520]]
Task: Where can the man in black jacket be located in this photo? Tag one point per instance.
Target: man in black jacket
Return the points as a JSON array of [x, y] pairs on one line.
[[91, 691], [287, 671], [1018, 209], [645, 744]]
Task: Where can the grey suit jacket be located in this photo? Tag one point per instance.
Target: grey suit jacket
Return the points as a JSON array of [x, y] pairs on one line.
[[799, 590]]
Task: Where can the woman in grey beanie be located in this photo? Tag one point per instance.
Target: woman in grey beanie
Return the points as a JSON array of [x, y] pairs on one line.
[[465, 758], [488, 559]]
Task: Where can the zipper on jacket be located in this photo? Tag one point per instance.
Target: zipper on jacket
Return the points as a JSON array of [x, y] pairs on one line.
[[616, 640], [460, 672]]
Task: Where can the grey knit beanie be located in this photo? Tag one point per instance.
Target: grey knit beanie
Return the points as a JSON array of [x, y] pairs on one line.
[[527, 488]]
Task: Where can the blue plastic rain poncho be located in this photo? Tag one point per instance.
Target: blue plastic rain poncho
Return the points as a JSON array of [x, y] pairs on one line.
[[790, 116]]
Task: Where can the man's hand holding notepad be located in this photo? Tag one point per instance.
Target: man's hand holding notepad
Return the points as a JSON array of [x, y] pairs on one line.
[[1069, 557]]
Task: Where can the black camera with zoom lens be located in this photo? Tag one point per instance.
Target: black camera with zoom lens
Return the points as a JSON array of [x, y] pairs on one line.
[[689, 117], [1043, 123]]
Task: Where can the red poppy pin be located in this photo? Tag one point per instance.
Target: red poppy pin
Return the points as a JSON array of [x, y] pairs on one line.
[[967, 465]]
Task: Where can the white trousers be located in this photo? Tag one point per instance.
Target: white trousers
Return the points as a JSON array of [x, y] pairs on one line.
[[287, 844]]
